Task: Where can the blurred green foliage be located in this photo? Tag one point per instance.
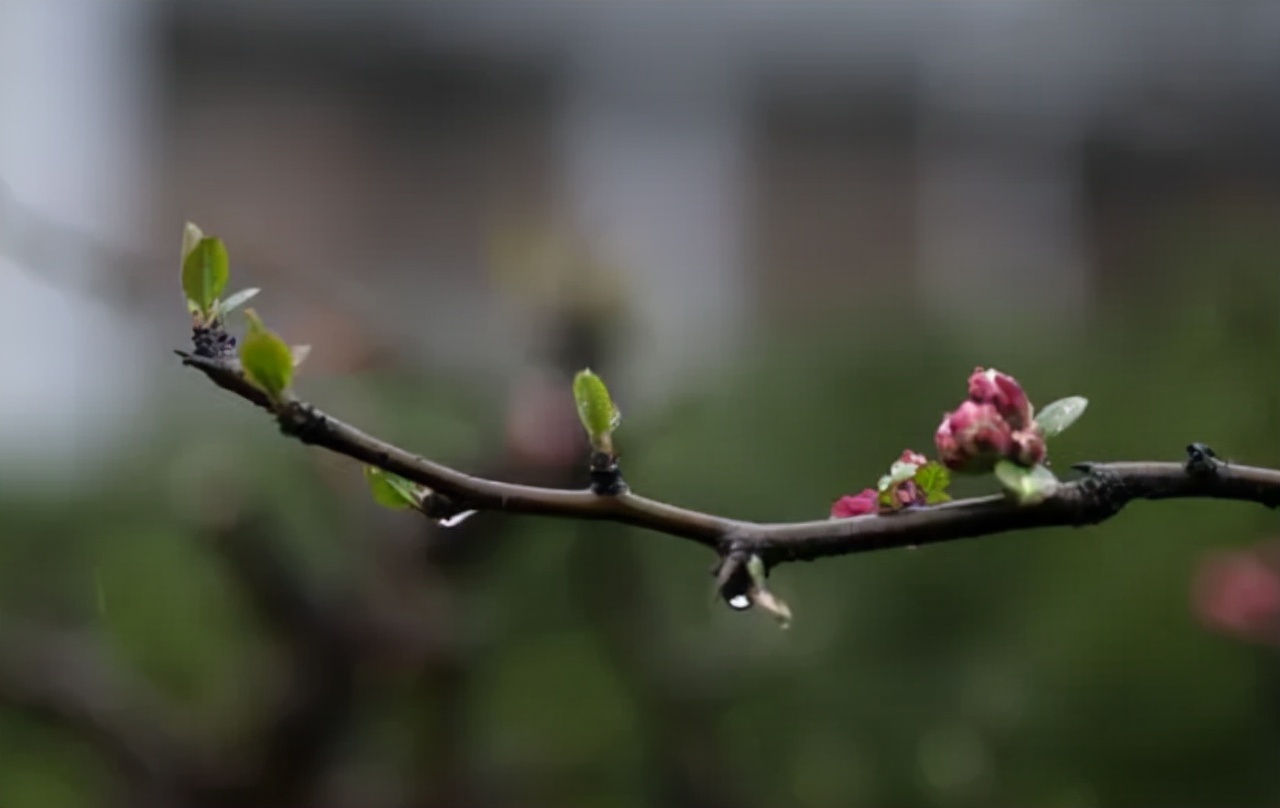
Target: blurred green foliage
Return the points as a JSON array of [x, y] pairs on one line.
[[1053, 668]]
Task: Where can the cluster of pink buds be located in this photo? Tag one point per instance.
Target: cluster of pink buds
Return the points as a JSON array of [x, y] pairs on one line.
[[895, 494], [995, 423], [994, 429]]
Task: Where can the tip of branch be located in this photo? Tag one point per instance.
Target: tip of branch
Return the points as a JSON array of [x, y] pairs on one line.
[[227, 376]]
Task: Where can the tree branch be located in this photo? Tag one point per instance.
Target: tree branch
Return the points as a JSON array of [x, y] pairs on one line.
[[69, 680], [1102, 491]]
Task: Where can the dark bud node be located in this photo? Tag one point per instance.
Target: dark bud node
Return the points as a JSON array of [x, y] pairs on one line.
[[606, 477]]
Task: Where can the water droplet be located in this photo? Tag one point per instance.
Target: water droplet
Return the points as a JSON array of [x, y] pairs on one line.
[[456, 519], [739, 602]]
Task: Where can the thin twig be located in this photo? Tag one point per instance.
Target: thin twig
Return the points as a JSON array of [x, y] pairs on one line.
[[1102, 491]]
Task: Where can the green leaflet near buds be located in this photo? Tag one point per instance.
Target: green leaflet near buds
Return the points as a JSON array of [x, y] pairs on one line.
[[266, 359], [899, 472], [934, 479], [1053, 419], [191, 236], [762, 597], [224, 307], [599, 415], [391, 490], [1028, 486], [205, 270]]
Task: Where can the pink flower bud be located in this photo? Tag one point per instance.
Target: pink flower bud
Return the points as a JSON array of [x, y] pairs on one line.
[[1027, 448], [973, 438], [915, 458], [909, 493], [1239, 594], [1002, 391], [856, 505]]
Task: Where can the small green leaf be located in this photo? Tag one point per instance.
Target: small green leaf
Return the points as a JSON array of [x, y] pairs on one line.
[[1054, 419], [266, 359], [191, 236], [391, 490], [300, 354], [934, 479], [774, 605], [899, 472], [1028, 486], [204, 271], [596, 409], [762, 597], [224, 307]]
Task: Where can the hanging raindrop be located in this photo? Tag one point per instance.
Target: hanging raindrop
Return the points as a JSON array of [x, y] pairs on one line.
[[456, 519], [740, 602]]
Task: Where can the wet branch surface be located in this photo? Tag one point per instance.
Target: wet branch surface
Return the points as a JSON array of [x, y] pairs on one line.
[[1099, 493]]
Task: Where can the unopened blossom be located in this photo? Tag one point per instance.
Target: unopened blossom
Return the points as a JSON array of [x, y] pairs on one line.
[[973, 438], [908, 492], [1004, 393], [995, 423], [1027, 447], [914, 458], [868, 501]]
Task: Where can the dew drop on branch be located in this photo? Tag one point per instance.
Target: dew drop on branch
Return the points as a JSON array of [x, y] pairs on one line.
[[456, 519]]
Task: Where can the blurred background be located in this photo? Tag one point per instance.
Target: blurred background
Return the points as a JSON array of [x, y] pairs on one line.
[[785, 234]]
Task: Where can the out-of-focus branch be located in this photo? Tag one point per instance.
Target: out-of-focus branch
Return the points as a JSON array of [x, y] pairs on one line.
[[679, 706], [293, 745], [67, 679], [1102, 491]]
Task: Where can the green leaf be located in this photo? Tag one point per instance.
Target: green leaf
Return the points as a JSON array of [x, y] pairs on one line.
[[224, 307], [204, 271], [934, 479], [391, 490], [191, 236], [596, 409], [762, 597], [899, 472], [1054, 418], [1028, 486], [266, 359]]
